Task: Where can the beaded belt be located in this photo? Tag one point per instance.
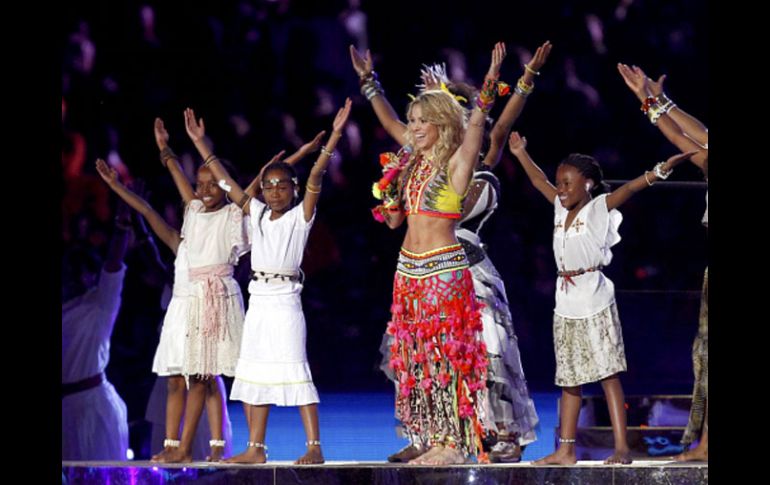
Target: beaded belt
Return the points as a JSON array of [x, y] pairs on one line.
[[436, 261], [273, 277]]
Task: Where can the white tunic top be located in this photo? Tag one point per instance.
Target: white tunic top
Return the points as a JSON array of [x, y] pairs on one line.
[[278, 247], [586, 244]]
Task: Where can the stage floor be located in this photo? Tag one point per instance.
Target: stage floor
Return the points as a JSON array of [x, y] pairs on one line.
[[357, 431], [351, 472]]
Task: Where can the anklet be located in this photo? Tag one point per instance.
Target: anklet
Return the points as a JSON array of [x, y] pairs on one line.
[[254, 444]]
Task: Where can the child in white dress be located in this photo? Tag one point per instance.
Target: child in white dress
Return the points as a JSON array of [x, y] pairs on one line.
[[215, 236], [273, 367], [167, 400]]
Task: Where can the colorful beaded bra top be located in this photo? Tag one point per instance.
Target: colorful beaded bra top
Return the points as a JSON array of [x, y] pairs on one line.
[[425, 189], [428, 191]]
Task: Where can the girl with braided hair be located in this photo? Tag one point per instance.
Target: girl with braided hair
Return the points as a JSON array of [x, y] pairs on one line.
[[588, 341]]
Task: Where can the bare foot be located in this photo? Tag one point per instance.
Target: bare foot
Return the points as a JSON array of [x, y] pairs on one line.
[[560, 457], [696, 454], [620, 457], [420, 460], [447, 456], [251, 455], [409, 452], [159, 457], [176, 455], [216, 453], [312, 457]]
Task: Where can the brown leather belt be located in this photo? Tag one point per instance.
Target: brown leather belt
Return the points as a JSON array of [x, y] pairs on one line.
[[82, 385]]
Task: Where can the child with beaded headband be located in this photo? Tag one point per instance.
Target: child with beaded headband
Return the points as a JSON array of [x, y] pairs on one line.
[[273, 367], [588, 340], [686, 133], [513, 414], [437, 355]]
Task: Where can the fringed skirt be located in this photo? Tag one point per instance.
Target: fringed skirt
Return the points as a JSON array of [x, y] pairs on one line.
[[438, 355], [511, 408]]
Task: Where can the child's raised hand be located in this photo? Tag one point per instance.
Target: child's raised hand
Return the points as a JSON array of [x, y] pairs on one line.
[[161, 135], [313, 145], [342, 116], [517, 143], [675, 160], [108, 174], [195, 129]]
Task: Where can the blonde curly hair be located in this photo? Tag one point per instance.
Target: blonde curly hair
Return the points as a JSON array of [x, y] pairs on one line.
[[441, 109]]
